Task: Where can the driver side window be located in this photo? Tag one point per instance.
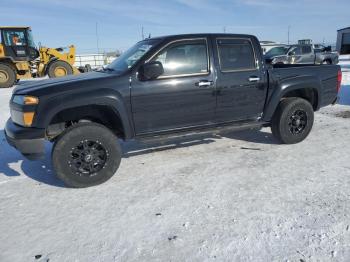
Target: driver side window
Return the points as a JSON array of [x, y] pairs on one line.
[[14, 38], [184, 58], [295, 51]]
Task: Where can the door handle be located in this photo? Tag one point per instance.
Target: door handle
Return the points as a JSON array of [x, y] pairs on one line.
[[204, 83], [254, 79]]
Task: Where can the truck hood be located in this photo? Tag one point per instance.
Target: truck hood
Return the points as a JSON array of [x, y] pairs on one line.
[[274, 56], [55, 84]]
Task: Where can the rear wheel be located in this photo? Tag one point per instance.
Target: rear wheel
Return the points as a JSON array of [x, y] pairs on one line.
[[86, 154], [293, 120], [7, 76], [59, 68], [326, 62]]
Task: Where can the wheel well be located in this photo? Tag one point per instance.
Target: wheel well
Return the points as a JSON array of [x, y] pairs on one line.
[[9, 62], [101, 114], [308, 94], [46, 68]]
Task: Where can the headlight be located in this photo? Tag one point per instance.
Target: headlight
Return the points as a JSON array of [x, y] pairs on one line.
[[24, 118], [26, 100]]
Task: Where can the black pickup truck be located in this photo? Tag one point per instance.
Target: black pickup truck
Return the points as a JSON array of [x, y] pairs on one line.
[[162, 86]]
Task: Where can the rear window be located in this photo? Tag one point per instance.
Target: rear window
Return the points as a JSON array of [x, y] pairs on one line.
[[236, 54]]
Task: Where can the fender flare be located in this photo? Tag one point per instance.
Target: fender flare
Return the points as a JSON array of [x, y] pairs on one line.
[[9, 61], [296, 83], [101, 97], [6, 58]]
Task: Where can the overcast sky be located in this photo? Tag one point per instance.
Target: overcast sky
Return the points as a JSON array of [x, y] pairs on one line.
[[62, 22]]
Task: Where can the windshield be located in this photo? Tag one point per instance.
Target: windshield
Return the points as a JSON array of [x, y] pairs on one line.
[[275, 51], [30, 38], [132, 55]]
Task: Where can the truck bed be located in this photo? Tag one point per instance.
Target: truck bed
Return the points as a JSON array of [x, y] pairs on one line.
[[325, 74]]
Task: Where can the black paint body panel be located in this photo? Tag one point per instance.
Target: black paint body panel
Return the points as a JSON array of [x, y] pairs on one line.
[[162, 105]]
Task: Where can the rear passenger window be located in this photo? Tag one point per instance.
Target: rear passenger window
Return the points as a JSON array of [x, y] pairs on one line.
[[306, 49], [184, 58], [236, 54]]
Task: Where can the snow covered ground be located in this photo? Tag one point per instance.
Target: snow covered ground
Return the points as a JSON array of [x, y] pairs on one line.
[[232, 197]]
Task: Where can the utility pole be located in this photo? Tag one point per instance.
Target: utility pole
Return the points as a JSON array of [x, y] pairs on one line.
[[288, 34], [224, 29], [97, 40]]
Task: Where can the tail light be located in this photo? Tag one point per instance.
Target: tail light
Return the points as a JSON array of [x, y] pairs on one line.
[[339, 78]]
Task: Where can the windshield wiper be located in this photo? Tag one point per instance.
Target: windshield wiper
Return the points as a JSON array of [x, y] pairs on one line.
[[105, 69]]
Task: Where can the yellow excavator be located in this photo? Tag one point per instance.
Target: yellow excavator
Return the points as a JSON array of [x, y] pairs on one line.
[[20, 59]]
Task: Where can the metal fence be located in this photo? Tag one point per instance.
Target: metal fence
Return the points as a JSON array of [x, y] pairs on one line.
[[94, 60]]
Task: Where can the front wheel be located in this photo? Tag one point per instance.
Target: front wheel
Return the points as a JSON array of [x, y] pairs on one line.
[[293, 120], [86, 154], [7, 76], [59, 68]]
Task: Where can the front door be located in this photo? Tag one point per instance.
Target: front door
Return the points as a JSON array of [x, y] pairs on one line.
[[184, 96], [15, 44], [241, 84], [301, 55]]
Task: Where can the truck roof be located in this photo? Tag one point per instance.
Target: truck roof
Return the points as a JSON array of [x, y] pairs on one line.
[[202, 35], [14, 27]]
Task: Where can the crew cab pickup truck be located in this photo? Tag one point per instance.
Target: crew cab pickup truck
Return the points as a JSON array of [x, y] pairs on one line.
[[160, 87], [302, 54]]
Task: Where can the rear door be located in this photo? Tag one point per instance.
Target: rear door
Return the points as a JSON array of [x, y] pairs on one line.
[[308, 56], [184, 96], [241, 84]]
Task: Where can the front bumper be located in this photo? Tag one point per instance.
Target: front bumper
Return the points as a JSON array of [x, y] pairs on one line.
[[28, 140]]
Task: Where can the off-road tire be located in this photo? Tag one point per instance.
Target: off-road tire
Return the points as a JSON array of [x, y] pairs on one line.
[[59, 68], [284, 124], [66, 162], [7, 76]]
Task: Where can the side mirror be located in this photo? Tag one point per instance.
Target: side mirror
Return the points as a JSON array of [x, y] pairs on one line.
[[151, 70], [291, 53]]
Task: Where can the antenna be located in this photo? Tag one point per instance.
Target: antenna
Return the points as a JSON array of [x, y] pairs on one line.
[[142, 33]]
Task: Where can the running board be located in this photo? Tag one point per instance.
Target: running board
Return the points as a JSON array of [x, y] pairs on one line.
[[206, 130]]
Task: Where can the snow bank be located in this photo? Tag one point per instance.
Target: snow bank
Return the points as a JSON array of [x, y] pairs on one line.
[[229, 197]]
